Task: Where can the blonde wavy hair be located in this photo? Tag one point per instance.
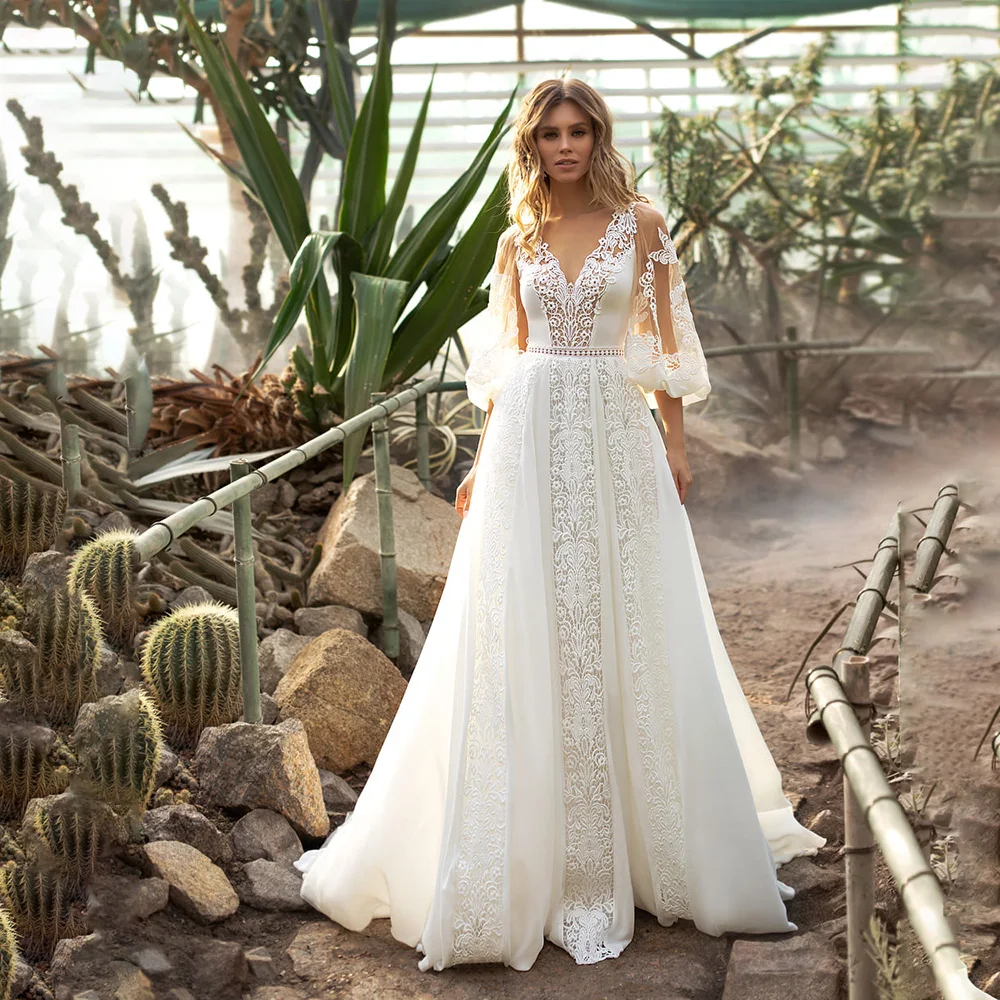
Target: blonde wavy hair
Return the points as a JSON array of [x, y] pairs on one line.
[[610, 175]]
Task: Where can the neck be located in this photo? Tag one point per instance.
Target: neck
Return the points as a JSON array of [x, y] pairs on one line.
[[568, 200]]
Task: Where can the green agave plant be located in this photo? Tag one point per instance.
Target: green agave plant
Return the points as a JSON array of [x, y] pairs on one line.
[[361, 341]]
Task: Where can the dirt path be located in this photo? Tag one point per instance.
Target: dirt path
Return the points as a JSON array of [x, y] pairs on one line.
[[772, 575]]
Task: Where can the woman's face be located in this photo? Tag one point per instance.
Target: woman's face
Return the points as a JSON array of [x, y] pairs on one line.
[[565, 142]]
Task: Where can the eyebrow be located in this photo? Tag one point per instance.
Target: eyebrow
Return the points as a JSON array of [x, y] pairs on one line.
[[574, 125]]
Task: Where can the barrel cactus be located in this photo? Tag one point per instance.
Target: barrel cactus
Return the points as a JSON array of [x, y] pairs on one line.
[[105, 569], [191, 663], [34, 762], [119, 742], [31, 518], [59, 673], [67, 834], [42, 907], [9, 953]]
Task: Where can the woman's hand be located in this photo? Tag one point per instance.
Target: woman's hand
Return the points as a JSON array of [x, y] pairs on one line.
[[463, 495], [677, 460]]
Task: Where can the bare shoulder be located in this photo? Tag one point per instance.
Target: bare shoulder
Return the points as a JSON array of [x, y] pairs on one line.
[[648, 218]]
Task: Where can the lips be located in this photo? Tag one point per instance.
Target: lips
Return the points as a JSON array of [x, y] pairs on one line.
[[566, 163]]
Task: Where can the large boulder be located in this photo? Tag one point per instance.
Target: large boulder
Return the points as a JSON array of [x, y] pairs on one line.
[[276, 654], [316, 621], [244, 766], [265, 834], [345, 692], [197, 886], [425, 529], [803, 965]]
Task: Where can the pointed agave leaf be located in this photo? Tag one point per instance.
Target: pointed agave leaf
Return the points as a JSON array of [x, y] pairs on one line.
[[894, 226], [348, 256], [382, 243], [139, 403], [340, 99], [378, 301], [235, 170], [368, 154], [306, 270], [439, 221], [199, 463], [445, 305]]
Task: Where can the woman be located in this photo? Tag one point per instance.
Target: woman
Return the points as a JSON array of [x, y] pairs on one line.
[[573, 742]]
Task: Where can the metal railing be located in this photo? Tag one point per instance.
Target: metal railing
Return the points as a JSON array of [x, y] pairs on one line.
[[872, 813], [245, 480]]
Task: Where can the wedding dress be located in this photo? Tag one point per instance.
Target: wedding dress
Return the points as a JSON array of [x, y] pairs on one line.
[[573, 741]]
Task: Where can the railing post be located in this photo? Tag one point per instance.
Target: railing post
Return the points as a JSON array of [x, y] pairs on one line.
[[423, 441], [859, 845], [246, 596], [69, 446], [386, 534], [792, 395]]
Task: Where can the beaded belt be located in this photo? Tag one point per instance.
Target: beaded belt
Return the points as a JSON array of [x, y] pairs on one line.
[[574, 351]]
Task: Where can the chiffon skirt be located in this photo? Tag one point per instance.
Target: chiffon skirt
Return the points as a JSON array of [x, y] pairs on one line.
[[573, 742]]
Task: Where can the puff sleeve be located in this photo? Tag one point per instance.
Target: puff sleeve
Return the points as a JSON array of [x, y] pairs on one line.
[[662, 347], [496, 352]]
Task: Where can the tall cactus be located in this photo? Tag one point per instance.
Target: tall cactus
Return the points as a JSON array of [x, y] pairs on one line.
[[41, 905], [56, 676], [105, 569], [9, 953], [33, 763], [191, 663], [119, 742], [30, 520]]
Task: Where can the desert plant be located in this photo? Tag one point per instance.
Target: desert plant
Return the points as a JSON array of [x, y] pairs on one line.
[[119, 744], [366, 339], [9, 953], [31, 518], [105, 569], [60, 674], [33, 763], [67, 835], [191, 663], [12, 609], [41, 905]]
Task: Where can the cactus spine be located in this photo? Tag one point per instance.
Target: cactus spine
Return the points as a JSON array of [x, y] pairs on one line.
[[30, 520], [105, 569], [68, 834], [33, 763], [60, 673], [119, 745], [41, 905], [191, 663], [8, 955]]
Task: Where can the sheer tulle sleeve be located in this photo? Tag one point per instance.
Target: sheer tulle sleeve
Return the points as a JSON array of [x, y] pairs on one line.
[[495, 353], [662, 347]]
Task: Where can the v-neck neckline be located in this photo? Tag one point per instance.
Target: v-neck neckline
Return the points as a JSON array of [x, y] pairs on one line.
[[544, 248]]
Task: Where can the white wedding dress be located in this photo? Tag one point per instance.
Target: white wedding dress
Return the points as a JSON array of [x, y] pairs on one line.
[[573, 741]]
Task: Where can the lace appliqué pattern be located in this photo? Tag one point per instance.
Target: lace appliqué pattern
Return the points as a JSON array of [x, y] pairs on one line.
[[588, 887], [572, 307], [630, 439], [479, 874], [684, 367]]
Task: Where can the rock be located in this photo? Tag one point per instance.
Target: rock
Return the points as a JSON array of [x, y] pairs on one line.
[[45, 571], [805, 876], [803, 965], [110, 672], [244, 766], [133, 983], [265, 834], [992, 985], [314, 952], [197, 886], [115, 521], [345, 692], [71, 954], [269, 709], [115, 900], [23, 975], [276, 654], [263, 499], [192, 596], [220, 968], [411, 642], [884, 691], [152, 961], [267, 885], [425, 528], [274, 616], [833, 928], [337, 793], [826, 825], [87, 995], [261, 965], [167, 766], [186, 824], [831, 449], [316, 621]]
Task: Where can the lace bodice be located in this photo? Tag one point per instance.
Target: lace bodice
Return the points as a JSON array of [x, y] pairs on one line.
[[629, 296]]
